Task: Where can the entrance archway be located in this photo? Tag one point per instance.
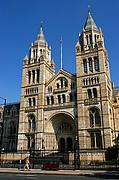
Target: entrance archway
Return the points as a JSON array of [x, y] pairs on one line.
[[64, 127]]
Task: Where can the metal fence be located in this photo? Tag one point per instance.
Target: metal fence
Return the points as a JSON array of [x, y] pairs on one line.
[[83, 159]]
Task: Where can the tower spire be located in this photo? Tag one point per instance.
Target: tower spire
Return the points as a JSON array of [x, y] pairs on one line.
[[88, 9], [41, 24], [90, 23], [40, 37], [61, 52]]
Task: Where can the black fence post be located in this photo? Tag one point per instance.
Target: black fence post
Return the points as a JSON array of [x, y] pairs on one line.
[[33, 158], [76, 156]]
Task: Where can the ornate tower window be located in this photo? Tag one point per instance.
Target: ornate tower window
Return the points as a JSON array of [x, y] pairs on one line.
[[52, 99], [63, 98], [85, 65], [38, 74], [90, 64], [29, 77], [61, 83], [29, 102], [89, 94], [34, 101], [48, 100], [59, 99], [31, 123], [94, 92], [12, 128], [71, 97], [96, 64], [33, 73], [96, 139], [95, 120]]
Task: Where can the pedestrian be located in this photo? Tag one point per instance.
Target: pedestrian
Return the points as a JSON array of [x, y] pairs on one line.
[[27, 164]]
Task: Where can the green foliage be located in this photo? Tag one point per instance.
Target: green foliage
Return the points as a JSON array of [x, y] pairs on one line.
[[116, 141]]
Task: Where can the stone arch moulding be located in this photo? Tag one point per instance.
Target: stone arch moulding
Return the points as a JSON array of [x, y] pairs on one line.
[[56, 119]]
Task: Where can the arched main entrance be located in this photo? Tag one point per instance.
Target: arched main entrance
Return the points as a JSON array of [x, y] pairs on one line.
[[64, 128]]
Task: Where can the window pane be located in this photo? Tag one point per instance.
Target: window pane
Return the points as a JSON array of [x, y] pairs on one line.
[[96, 63], [90, 65], [85, 65]]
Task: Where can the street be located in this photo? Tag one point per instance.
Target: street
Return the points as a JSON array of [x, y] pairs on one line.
[[19, 176]]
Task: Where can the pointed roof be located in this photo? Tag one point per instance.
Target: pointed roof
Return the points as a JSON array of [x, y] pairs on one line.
[[90, 23], [40, 37], [63, 73]]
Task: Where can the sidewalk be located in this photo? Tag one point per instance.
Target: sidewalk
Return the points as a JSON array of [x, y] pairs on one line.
[[93, 173]]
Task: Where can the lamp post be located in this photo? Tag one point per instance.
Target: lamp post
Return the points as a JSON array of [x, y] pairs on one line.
[[21, 156], [2, 126], [76, 155]]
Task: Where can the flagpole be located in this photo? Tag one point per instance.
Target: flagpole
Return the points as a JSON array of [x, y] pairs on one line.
[[61, 52]]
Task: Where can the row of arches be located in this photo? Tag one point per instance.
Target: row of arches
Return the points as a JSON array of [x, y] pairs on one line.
[[33, 76], [62, 98], [90, 64], [91, 81]]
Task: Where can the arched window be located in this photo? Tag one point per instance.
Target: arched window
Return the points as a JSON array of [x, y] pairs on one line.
[[34, 101], [48, 100], [87, 39], [94, 92], [59, 99], [34, 53], [71, 97], [38, 74], [52, 99], [29, 102], [89, 94], [11, 145], [31, 123], [63, 98], [65, 128], [96, 139], [33, 73], [95, 38], [12, 127], [61, 83], [92, 136], [90, 64], [29, 77], [91, 120], [85, 65], [57, 85], [66, 84], [90, 37], [95, 119], [96, 64]]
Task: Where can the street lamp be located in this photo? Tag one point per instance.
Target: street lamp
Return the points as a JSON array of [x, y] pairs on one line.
[[21, 156], [2, 125], [4, 100]]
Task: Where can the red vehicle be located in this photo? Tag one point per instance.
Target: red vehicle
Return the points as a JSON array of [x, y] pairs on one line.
[[53, 166]]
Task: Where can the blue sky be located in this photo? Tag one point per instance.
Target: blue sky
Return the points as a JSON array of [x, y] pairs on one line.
[[20, 23]]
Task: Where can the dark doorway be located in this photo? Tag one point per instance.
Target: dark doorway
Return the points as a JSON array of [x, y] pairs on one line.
[[62, 144], [69, 144]]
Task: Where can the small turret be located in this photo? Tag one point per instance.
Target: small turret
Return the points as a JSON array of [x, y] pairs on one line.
[[26, 59]]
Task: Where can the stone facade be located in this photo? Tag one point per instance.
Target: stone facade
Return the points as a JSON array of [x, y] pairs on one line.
[[61, 111]]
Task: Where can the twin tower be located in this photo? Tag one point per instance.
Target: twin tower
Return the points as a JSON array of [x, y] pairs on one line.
[[60, 110]]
